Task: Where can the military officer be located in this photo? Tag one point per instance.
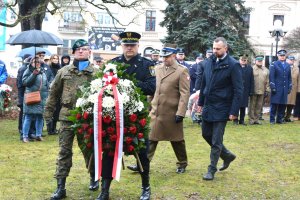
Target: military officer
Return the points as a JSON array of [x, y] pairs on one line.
[[281, 85], [180, 57], [169, 106], [261, 88], [143, 70], [64, 88], [155, 56], [295, 88]]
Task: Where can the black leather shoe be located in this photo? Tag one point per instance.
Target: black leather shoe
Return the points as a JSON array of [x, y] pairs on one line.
[[180, 170], [133, 168], [209, 176], [227, 161], [146, 193], [94, 185], [60, 192], [105, 185]]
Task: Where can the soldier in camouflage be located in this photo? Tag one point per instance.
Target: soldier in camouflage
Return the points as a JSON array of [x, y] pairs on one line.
[[65, 85]]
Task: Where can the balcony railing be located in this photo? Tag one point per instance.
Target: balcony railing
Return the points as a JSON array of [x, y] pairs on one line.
[[72, 27]]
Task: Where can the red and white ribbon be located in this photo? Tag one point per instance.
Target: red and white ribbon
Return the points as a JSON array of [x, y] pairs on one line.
[[110, 80]]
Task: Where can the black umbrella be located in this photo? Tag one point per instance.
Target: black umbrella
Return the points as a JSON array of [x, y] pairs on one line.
[[34, 38]]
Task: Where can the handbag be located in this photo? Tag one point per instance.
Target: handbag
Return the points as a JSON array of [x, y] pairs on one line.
[[33, 97]]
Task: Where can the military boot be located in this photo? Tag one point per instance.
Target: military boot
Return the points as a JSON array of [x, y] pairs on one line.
[[209, 176], [146, 191], [94, 185], [60, 192], [105, 184], [228, 157]]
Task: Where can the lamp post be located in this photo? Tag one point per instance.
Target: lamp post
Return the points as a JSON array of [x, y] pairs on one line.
[[277, 32]]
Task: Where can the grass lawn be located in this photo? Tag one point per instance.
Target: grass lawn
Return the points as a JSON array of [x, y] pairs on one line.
[[267, 167]]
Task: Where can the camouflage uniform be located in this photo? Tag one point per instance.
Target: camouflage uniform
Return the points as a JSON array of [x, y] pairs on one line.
[[65, 85]]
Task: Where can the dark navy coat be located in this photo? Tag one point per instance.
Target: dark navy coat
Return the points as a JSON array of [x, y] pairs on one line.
[[141, 67], [199, 74], [248, 83], [20, 86], [221, 89], [193, 76], [280, 82]]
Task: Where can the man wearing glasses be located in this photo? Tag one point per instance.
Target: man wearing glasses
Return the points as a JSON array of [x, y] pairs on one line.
[[281, 86], [64, 88], [142, 68], [44, 66]]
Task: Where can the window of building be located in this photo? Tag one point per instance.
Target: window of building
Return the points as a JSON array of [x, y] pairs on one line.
[[150, 20], [278, 17], [72, 17], [246, 23], [104, 19]]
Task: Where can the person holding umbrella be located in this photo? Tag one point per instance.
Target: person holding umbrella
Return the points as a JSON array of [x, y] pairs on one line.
[[34, 79]]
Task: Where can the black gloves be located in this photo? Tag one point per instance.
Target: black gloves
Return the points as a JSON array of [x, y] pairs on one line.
[[266, 94], [273, 91], [178, 119], [289, 91], [49, 123]]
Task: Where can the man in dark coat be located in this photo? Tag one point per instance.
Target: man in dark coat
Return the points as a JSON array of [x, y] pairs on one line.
[[143, 69], [200, 70], [180, 57], [281, 86], [193, 72], [220, 94], [248, 83]]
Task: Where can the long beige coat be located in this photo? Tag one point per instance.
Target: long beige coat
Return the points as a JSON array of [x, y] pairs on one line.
[[170, 99], [295, 87]]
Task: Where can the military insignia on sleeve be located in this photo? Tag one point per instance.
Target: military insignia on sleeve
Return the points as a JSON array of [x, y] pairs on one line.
[[152, 70]]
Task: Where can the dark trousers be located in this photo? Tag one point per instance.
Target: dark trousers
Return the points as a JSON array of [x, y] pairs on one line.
[[20, 122], [178, 148], [277, 110], [297, 106], [288, 112], [107, 165], [213, 133], [242, 115]]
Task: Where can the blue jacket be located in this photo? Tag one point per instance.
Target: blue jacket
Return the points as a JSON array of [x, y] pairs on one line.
[[221, 89], [32, 83], [142, 68], [280, 82], [3, 72]]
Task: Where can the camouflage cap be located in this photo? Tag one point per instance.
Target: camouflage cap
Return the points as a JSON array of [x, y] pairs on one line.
[[79, 43]]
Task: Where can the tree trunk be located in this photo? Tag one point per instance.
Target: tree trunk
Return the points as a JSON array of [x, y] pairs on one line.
[[36, 10]]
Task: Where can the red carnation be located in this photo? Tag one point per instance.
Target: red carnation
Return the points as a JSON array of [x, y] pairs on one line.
[[130, 148], [113, 138], [110, 130], [132, 129], [89, 145], [125, 130], [143, 122], [80, 130], [107, 119], [85, 115], [87, 136], [140, 135], [103, 133], [90, 131], [78, 116], [85, 126], [133, 117], [128, 140]]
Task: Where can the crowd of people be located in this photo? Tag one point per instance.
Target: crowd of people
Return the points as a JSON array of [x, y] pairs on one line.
[[215, 89]]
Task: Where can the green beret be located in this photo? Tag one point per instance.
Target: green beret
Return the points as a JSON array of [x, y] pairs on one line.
[[79, 43]]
